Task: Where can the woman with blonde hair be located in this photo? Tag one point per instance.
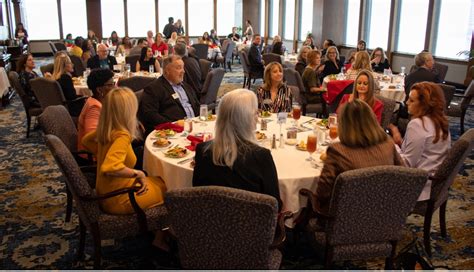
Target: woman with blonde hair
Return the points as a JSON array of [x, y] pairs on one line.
[[62, 73], [233, 158], [302, 61], [427, 139], [274, 95], [361, 62], [333, 64], [364, 89], [363, 143]]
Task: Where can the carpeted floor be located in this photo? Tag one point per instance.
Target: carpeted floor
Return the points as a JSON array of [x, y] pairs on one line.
[[34, 235]]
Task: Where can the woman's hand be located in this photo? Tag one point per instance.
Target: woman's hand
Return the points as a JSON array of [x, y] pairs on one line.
[[396, 135], [144, 188]]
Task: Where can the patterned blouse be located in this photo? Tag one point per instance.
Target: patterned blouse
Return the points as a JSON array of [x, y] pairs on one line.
[[281, 103], [25, 78]]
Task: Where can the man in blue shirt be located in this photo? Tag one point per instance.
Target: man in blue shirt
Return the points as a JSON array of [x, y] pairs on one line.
[[102, 59], [168, 98]]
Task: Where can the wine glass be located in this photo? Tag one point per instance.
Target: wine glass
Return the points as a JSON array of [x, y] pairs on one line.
[[296, 112], [311, 145], [333, 132]]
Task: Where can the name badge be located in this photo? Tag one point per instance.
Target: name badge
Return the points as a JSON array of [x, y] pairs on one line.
[[175, 96]]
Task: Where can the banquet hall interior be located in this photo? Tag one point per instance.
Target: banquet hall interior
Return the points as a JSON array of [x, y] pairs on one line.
[[328, 185]]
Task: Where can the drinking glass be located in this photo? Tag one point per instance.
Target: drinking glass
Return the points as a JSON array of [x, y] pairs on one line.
[[332, 120], [296, 112], [188, 125], [127, 68], [333, 132], [151, 69], [311, 145], [203, 113]]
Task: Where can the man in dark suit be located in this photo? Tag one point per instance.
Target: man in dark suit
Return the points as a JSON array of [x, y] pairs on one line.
[[192, 75], [425, 62], [169, 28], [168, 98], [255, 57], [102, 59]]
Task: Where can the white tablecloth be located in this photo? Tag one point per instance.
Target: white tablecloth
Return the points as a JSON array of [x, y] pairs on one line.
[[290, 60], [294, 172], [4, 83], [397, 93]]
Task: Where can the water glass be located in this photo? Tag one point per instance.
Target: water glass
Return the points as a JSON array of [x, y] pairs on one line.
[[203, 112], [188, 125], [151, 69], [127, 68]]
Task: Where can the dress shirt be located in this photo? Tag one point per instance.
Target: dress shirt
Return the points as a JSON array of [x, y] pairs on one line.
[[183, 98]]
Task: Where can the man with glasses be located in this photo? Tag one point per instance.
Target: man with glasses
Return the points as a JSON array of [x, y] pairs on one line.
[[102, 59]]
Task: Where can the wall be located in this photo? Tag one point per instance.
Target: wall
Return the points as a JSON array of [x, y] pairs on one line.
[[251, 11], [4, 29]]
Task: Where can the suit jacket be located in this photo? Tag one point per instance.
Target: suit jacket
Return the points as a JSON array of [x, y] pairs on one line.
[[192, 75], [95, 63], [255, 59], [419, 75], [158, 106]]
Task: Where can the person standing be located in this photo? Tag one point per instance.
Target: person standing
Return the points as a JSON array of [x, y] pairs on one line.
[[169, 28]]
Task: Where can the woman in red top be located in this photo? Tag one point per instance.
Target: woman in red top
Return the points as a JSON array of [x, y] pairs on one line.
[[160, 46], [364, 86]]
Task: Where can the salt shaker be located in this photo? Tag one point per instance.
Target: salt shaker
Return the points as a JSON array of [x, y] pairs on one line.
[[274, 145], [282, 140]]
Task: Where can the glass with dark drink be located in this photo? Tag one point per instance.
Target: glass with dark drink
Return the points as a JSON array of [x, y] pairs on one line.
[[296, 113], [311, 145]]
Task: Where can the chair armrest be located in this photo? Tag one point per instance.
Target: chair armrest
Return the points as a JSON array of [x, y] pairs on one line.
[[459, 95], [280, 239], [89, 168], [90, 155], [314, 203], [67, 102], [132, 189]]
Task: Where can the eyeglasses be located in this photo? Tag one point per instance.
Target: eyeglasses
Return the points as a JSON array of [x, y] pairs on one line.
[[331, 53]]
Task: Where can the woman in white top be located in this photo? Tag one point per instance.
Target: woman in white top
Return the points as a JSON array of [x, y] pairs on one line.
[[249, 31], [427, 139]]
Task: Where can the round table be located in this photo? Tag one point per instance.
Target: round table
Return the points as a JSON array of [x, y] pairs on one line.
[[294, 172]]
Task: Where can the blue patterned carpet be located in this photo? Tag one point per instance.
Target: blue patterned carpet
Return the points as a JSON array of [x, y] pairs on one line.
[[34, 234]]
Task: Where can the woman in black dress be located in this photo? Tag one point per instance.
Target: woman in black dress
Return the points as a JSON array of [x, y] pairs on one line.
[[147, 59]]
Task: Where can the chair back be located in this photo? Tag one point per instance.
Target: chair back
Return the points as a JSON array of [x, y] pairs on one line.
[[60, 46], [211, 86], [468, 95], [48, 92], [245, 61], [388, 109], [230, 50], [57, 121], [225, 46], [201, 50], [48, 68], [205, 66], [79, 66], [449, 168], [139, 95], [370, 205], [271, 57], [14, 79], [442, 70], [222, 228], [53, 48], [448, 91], [295, 93], [132, 60], [88, 211], [335, 103], [293, 78], [136, 83]]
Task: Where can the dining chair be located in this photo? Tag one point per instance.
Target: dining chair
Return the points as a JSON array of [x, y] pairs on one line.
[[335, 103], [211, 87], [388, 109], [79, 66], [442, 180], [201, 50], [30, 108], [226, 228], [441, 70], [136, 83], [60, 46], [459, 109], [48, 68], [367, 213], [132, 60], [448, 91], [102, 225], [205, 66], [271, 57], [229, 54], [53, 47], [248, 75]]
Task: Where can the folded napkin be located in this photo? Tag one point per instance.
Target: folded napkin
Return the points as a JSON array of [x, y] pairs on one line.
[[195, 140], [168, 125]]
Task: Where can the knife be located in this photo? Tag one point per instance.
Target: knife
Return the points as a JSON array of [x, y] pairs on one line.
[[186, 160]]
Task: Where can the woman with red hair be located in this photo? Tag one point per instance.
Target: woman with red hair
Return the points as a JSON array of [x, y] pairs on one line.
[[427, 139]]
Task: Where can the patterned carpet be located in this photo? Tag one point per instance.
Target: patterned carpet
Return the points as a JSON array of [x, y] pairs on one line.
[[33, 199]]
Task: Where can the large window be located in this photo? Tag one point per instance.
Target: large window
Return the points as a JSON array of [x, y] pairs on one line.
[[42, 21], [289, 19], [412, 26], [306, 18], [455, 26], [74, 17], [275, 16], [378, 24], [112, 17], [170, 8], [226, 16], [141, 17], [262, 17], [201, 16], [352, 22]]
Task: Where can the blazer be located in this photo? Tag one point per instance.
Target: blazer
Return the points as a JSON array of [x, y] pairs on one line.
[[419, 75], [95, 63], [255, 59], [158, 105]]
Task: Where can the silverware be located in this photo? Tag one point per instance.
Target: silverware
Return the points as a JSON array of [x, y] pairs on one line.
[[186, 160]]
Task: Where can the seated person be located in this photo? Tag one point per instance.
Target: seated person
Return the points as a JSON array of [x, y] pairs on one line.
[[332, 65], [124, 47], [363, 144], [76, 49], [378, 60], [255, 57], [234, 35], [62, 73], [361, 62], [302, 62], [100, 82], [69, 41], [111, 143], [312, 86], [364, 89], [427, 139], [233, 158], [425, 63], [168, 98], [146, 60], [274, 95], [24, 68], [102, 59], [137, 49], [160, 47]]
